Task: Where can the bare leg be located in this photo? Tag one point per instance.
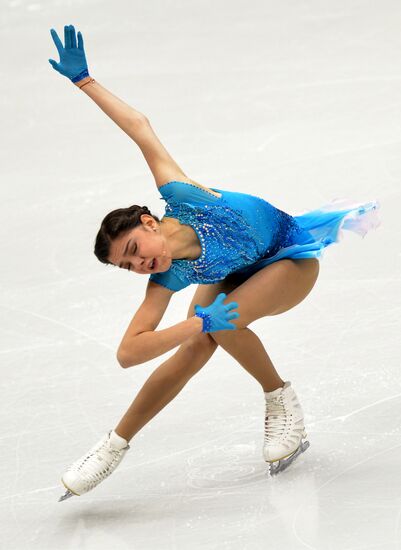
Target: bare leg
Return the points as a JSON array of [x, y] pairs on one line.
[[172, 375], [248, 350], [165, 383]]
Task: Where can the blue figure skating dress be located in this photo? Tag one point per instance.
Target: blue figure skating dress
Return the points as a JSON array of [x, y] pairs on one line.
[[240, 233]]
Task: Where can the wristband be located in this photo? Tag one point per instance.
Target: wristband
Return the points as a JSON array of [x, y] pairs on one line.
[[206, 321], [81, 75]]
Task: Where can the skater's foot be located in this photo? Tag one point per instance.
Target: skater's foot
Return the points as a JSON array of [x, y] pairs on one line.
[[284, 428], [95, 466]]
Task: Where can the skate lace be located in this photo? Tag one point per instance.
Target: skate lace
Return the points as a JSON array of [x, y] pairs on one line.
[[276, 420], [105, 457]]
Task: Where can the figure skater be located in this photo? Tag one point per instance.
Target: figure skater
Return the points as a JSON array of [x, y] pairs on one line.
[[243, 253]]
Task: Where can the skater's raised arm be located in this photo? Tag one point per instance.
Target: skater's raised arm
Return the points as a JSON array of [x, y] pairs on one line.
[[135, 124], [73, 65], [126, 117]]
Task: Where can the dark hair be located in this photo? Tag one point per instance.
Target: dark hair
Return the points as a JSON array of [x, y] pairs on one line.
[[116, 222]]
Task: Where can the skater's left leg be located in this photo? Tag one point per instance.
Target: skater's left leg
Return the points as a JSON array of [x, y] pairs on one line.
[[275, 289], [272, 290], [245, 346]]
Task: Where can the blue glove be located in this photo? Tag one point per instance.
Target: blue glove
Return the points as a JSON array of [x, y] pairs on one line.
[[215, 317], [72, 58]]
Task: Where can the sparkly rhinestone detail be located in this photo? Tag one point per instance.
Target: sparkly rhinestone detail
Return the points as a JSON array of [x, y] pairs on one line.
[[80, 76], [231, 238], [287, 227], [227, 241], [206, 321]]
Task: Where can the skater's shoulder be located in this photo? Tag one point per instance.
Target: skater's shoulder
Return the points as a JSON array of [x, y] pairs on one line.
[[187, 190]]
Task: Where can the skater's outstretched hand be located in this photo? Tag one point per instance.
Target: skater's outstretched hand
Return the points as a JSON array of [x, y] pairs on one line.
[[216, 316], [72, 63]]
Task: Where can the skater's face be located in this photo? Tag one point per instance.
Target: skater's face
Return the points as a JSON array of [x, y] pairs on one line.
[[136, 248]]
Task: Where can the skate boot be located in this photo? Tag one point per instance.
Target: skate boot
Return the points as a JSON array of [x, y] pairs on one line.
[[284, 428], [93, 467]]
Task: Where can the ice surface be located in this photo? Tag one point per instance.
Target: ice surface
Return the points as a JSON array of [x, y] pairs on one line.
[[297, 102]]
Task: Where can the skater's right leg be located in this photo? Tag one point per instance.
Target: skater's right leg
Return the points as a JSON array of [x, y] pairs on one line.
[[165, 383], [159, 389], [172, 375]]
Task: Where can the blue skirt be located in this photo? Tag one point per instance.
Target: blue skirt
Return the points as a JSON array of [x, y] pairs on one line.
[[317, 229]]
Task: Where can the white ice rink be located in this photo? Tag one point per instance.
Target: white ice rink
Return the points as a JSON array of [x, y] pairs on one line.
[[295, 101]]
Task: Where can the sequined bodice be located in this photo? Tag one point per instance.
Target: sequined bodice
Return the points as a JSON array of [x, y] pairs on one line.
[[234, 231]]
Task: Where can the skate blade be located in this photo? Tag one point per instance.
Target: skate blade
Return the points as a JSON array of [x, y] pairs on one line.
[[280, 465], [67, 494]]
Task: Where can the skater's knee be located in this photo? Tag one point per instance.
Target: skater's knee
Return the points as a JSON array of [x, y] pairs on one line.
[[198, 343]]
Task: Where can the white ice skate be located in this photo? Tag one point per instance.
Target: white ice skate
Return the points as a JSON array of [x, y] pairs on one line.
[[93, 467], [284, 429]]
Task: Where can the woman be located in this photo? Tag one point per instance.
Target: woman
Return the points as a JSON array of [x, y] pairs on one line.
[[229, 243]]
